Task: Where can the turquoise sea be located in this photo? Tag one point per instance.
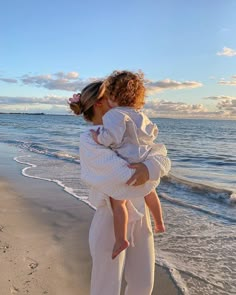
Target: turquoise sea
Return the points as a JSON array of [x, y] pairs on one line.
[[198, 196]]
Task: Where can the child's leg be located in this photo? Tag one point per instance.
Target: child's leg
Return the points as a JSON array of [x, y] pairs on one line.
[[154, 206], [120, 217]]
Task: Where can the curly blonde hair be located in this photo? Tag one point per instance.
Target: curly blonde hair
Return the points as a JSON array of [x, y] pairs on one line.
[[126, 88]]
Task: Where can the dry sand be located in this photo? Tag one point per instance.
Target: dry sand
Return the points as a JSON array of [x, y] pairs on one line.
[[44, 237]]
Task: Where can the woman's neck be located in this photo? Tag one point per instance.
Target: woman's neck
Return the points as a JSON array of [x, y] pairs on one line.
[[97, 120]]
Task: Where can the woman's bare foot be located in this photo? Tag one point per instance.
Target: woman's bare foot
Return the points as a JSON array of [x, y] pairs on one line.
[[119, 247], [160, 228]]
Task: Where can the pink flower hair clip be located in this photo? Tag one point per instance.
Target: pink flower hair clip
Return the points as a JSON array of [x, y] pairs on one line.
[[75, 98]]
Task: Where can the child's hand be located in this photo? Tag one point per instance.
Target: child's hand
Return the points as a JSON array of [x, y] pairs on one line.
[[95, 135]]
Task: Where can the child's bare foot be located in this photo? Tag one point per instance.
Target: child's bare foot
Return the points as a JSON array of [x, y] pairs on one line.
[[160, 228], [119, 247]]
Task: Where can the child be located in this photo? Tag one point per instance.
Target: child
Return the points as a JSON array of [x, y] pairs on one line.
[[131, 134]]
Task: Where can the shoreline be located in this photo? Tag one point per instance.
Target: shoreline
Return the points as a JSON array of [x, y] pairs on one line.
[[44, 233]]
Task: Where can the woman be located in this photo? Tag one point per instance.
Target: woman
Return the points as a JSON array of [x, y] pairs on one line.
[[109, 175]]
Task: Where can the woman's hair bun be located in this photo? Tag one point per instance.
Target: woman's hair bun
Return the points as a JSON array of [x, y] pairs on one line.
[[76, 108], [75, 103]]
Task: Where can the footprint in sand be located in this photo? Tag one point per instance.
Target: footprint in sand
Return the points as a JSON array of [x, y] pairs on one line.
[[32, 264], [4, 247], [14, 290]]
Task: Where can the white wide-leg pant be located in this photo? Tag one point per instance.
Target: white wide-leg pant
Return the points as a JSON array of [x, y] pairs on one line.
[[137, 262]]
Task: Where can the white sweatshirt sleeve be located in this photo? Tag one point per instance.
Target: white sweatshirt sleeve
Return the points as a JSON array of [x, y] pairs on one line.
[[113, 129], [157, 162]]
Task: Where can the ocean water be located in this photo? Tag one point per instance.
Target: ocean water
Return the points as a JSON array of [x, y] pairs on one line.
[[198, 196]]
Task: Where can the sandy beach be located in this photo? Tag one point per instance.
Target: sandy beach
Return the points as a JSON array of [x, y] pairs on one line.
[[44, 237]]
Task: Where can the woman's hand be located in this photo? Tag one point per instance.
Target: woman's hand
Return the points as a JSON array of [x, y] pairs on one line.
[[140, 176]]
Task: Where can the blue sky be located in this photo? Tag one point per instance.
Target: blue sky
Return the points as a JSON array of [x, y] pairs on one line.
[[186, 49]]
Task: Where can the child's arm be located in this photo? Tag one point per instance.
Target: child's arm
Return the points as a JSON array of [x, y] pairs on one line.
[[112, 132]]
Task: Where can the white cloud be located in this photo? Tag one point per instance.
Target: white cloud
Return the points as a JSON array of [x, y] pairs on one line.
[[69, 76], [231, 82], [225, 108], [71, 82], [228, 106], [27, 108], [227, 52], [173, 109], [49, 100], [8, 80], [58, 81], [155, 87], [164, 108], [220, 97], [72, 75], [48, 104]]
